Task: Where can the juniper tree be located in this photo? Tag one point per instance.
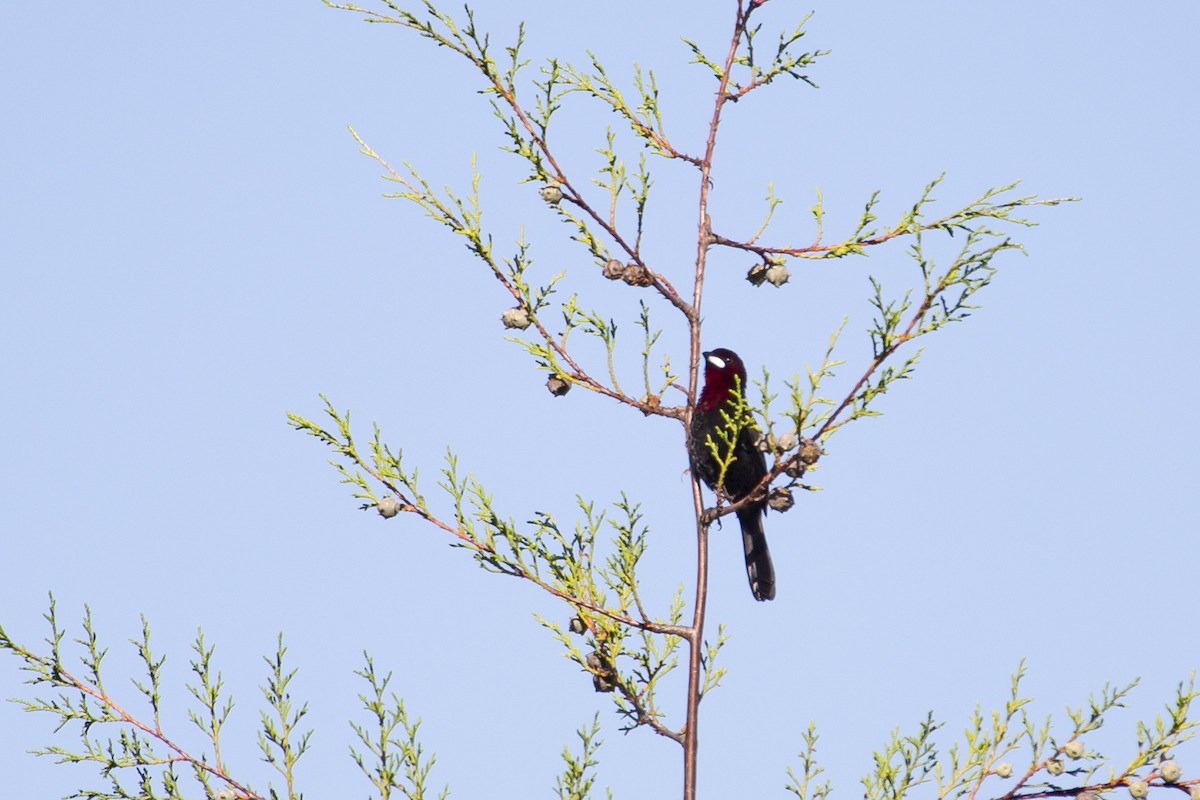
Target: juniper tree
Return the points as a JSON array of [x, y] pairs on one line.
[[623, 646]]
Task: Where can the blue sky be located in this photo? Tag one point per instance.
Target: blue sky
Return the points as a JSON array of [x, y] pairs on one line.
[[192, 245]]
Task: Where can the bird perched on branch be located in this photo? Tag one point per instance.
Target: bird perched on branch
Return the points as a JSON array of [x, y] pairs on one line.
[[716, 414]]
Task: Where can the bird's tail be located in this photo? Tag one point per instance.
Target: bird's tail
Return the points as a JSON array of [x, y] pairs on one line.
[[758, 558]]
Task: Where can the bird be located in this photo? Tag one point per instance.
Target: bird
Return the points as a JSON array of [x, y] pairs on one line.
[[724, 377]]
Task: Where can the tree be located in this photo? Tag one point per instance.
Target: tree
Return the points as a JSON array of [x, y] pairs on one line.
[[626, 649]]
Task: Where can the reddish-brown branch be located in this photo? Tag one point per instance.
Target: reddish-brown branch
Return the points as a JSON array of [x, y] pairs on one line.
[[155, 732], [645, 715], [570, 194], [468, 541], [1017, 793], [818, 250], [722, 509], [577, 374], [884, 354], [704, 240]]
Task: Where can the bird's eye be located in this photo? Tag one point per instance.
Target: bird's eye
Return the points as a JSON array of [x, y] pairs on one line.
[[717, 361]]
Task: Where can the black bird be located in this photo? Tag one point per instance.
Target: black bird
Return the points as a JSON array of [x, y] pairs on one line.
[[724, 374]]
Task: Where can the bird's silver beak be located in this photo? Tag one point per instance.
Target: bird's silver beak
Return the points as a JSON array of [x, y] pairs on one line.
[[716, 361]]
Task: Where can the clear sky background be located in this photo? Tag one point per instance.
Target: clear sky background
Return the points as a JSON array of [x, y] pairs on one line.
[[191, 245]]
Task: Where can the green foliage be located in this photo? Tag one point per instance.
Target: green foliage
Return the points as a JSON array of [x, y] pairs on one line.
[[579, 773], [904, 763], [735, 418], [804, 785], [129, 743], [981, 763], [1055, 764], [280, 738], [392, 762]]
